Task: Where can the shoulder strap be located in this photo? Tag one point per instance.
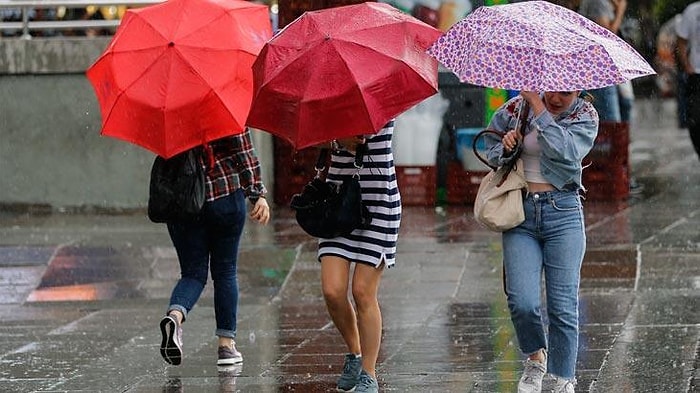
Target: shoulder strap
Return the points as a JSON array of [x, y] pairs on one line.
[[321, 160], [323, 156], [360, 152]]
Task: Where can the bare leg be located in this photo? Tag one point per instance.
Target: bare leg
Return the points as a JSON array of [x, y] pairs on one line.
[[365, 287], [177, 315], [335, 275]]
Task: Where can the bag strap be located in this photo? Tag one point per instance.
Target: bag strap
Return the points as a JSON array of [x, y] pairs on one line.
[[321, 162], [360, 152], [476, 152], [522, 125]]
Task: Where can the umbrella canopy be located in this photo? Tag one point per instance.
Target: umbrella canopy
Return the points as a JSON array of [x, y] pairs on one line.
[[536, 46], [178, 74], [342, 71]]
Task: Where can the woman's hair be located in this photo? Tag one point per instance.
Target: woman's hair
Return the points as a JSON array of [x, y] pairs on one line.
[[586, 96]]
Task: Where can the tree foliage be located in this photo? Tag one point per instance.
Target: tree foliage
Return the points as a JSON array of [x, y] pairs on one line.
[[667, 9]]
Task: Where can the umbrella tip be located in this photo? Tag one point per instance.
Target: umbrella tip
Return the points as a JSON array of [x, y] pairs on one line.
[[171, 43]]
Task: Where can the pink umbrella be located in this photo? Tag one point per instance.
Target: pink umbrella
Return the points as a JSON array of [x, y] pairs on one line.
[[538, 46]]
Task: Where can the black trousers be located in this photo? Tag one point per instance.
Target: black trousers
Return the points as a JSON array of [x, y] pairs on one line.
[[693, 110]]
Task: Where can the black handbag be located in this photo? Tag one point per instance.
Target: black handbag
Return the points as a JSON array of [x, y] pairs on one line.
[[326, 209], [177, 188]]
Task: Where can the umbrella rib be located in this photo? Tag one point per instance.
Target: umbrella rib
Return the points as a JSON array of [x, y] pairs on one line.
[[212, 21], [350, 70]]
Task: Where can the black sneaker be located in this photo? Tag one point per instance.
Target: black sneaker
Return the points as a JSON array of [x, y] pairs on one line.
[[229, 356], [171, 346]]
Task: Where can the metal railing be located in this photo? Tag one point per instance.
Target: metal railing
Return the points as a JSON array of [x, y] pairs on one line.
[[27, 25]]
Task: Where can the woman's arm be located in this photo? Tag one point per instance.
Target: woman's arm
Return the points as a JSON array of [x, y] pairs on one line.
[[499, 150], [248, 166], [570, 139]]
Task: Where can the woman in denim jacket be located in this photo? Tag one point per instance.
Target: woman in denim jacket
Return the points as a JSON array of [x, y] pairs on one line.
[[552, 240]]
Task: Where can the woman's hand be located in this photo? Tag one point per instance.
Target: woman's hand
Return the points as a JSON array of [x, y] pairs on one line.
[[261, 211], [510, 140], [534, 99]]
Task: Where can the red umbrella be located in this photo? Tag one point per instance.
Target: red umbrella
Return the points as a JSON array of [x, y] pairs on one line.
[[342, 71], [178, 74]]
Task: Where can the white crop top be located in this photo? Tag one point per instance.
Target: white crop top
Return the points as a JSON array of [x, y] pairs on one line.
[[531, 159]]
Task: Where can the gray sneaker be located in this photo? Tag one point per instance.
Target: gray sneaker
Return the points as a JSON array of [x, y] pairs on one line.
[[367, 384], [351, 373], [562, 385], [229, 356], [531, 380], [171, 344]]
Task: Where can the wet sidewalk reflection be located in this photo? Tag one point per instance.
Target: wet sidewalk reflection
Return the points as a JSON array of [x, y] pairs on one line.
[[446, 324]]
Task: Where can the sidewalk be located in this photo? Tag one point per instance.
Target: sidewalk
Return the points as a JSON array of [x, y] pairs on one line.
[[82, 297]]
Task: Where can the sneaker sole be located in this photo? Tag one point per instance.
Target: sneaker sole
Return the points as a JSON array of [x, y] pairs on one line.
[[229, 362], [337, 389], [169, 349]]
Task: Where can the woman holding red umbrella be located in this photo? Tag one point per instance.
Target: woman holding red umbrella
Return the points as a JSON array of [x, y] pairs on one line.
[[209, 242], [371, 250]]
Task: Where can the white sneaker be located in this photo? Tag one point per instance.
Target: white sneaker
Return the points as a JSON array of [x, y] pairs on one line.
[[533, 372], [562, 385]]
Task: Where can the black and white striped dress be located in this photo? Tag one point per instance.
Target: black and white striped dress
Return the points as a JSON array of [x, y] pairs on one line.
[[380, 193]]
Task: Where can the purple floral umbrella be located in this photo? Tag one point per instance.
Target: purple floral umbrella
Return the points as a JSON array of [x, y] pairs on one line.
[[537, 46]]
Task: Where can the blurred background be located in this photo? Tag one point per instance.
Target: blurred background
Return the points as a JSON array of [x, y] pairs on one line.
[[49, 114]]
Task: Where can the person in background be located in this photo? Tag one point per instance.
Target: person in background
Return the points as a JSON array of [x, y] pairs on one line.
[[210, 243], [371, 251], [613, 103], [688, 47], [609, 14], [671, 77], [560, 132]]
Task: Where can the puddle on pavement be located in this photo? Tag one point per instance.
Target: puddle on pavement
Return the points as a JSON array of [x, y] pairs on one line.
[[81, 273]]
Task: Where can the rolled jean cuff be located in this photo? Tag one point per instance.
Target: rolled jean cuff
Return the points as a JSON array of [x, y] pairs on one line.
[[177, 307], [225, 333]]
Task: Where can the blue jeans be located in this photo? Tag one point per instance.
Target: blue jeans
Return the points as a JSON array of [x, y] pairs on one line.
[[210, 242], [552, 239], [607, 103]]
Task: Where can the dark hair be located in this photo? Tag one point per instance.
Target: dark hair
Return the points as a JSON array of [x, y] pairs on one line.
[[586, 96]]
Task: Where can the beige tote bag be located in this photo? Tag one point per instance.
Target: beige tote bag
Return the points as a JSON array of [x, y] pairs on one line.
[[499, 202]]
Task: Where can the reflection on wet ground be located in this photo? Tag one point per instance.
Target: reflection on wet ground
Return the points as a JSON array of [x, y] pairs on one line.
[[82, 297], [446, 321]]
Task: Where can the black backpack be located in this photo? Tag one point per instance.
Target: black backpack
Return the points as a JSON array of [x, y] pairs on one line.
[[177, 189]]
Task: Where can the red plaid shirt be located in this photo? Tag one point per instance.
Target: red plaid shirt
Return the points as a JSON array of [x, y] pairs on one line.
[[232, 164]]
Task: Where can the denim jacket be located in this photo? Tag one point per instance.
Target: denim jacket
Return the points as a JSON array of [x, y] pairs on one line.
[[564, 140]]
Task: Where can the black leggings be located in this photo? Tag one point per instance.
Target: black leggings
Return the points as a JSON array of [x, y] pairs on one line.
[[693, 110]]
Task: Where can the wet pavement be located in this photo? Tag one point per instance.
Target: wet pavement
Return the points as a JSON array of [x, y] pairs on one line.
[[81, 297]]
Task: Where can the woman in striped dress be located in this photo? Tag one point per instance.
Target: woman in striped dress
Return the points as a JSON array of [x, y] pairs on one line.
[[371, 250]]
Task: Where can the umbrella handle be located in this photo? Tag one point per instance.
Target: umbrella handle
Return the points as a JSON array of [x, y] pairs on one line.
[[522, 122]]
